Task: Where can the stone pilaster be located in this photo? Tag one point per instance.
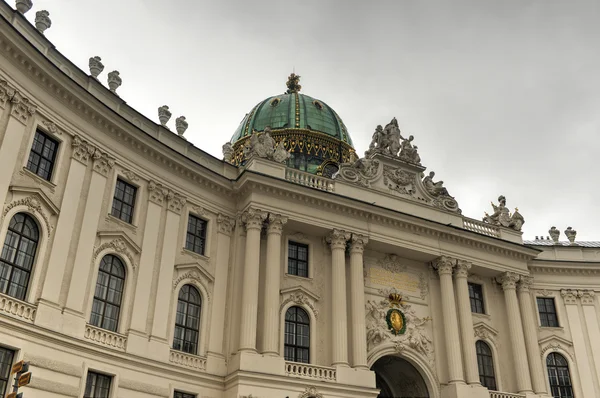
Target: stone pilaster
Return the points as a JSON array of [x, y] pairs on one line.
[[465, 319], [253, 220], [357, 301], [538, 379], [588, 303], [339, 318], [521, 364], [444, 266], [270, 337]]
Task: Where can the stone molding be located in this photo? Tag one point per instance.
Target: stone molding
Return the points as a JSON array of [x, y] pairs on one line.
[[176, 202], [194, 272], [117, 246], [301, 296], [485, 332], [337, 239], [158, 192], [588, 297], [358, 243], [55, 366], [546, 293], [310, 392], [253, 218], [276, 223], [462, 269], [225, 224], [525, 284], [34, 206], [51, 127], [6, 92], [556, 343], [569, 296], [509, 280], [443, 265], [143, 387], [51, 386], [22, 107], [130, 175]]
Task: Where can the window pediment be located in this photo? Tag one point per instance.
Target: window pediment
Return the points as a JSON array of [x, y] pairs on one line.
[[117, 242], [194, 271], [300, 295], [37, 203], [556, 343], [485, 332]]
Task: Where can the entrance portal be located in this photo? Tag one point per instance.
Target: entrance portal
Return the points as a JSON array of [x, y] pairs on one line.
[[398, 378]]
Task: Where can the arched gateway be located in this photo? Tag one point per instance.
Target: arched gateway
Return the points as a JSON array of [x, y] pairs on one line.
[[398, 378]]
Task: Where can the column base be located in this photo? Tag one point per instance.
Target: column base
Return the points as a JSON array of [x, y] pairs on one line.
[[216, 364], [355, 376], [254, 362], [49, 316], [137, 343], [464, 391], [73, 323], [158, 349]]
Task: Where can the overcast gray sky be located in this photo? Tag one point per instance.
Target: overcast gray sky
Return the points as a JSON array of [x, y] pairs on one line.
[[502, 97]]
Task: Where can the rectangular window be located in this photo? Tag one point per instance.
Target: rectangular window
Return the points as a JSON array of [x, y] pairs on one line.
[[547, 311], [196, 235], [297, 259], [42, 155], [476, 298], [97, 386], [124, 201], [6, 362], [179, 394]]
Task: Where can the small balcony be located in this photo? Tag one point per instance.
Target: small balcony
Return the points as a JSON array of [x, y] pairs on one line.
[[498, 394]]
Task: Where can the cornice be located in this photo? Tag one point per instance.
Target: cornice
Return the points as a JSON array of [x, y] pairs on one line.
[[565, 267]]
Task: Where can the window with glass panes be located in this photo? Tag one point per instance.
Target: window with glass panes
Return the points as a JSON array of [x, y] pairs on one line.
[[108, 294], [97, 385], [297, 335], [187, 320], [18, 255], [196, 235], [6, 361], [179, 394], [297, 259], [559, 376], [124, 201], [42, 155], [485, 364], [547, 311], [476, 298]]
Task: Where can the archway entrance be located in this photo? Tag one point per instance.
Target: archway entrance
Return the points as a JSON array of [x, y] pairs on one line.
[[398, 378]]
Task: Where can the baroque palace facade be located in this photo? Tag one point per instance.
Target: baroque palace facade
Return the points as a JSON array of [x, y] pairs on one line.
[[134, 264]]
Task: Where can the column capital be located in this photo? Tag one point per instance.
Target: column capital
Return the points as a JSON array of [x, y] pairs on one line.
[[176, 201], [253, 218], [569, 295], [83, 150], [358, 243], [276, 223], [6, 92], [587, 297], [525, 284], [103, 163], [443, 265], [462, 269], [158, 192], [22, 107], [337, 239], [509, 280], [225, 224]]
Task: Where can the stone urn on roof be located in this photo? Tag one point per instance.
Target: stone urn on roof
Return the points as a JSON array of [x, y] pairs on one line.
[[24, 5]]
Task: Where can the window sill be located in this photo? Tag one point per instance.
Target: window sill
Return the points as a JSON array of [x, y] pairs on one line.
[[37, 178], [556, 328], [194, 254], [478, 315], [111, 218], [303, 278]]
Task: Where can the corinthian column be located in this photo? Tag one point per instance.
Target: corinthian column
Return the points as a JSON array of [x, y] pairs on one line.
[[253, 220], [531, 342], [515, 326], [444, 267], [357, 301], [337, 240], [270, 337], [466, 322]]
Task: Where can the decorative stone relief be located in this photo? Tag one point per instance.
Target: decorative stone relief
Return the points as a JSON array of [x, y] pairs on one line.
[[176, 201], [378, 329], [196, 275], [399, 180], [225, 224], [24, 5], [485, 332], [571, 234], [181, 125], [158, 192], [443, 264], [42, 21], [82, 150], [199, 210], [104, 164], [22, 107], [262, 145], [587, 297], [362, 172], [6, 92], [569, 296], [119, 246], [337, 239], [280, 155], [554, 234], [525, 283], [310, 392], [502, 216], [114, 81], [556, 343], [545, 293], [509, 280], [96, 66], [51, 127], [130, 175], [300, 296], [276, 223], [254, 218], [164, 114], [34, 206]]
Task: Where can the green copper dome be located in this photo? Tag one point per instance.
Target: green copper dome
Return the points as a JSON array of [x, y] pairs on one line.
[[312, 131]]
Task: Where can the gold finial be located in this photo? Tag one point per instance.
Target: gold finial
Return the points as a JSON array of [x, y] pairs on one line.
[[293, 84], [395, 299]]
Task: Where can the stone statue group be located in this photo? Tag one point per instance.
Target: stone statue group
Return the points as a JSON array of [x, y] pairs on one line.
[[389, 141]]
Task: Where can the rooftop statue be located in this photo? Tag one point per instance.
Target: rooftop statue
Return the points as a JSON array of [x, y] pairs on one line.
[[554, 234], [434, 188], [262, 145], [164, 114], [24, 5], [114, 81], [571, 234], [227, 152], [389, 141], [408, 153], [181, 125], [502, 216], [42, 20], [96, 66]]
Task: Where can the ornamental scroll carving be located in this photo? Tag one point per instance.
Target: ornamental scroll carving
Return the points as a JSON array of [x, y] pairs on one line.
[[22, 107], [363, 172], [196, 276], [34, 206], [118, 246], [415, 336], [300, 298], [310, 392]]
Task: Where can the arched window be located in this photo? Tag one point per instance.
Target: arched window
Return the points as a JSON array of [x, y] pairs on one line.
[[108, 294], [558, 374], [485, 363], [187, 320], [18, 255], [297, 335]]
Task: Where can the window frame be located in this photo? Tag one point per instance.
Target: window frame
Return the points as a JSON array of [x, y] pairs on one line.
[[20, 236], [205, 237], [543, 315], [52, 161], [297, 346], [481, 357], [133, 205], [104, 300], [101, 375], [184, 326], [569, 373], [474, 301], [182, 394], [291, 243], [9, 364]]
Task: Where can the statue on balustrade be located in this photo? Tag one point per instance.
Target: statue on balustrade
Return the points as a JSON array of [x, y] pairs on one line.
[[502, 216], [389, 141]]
